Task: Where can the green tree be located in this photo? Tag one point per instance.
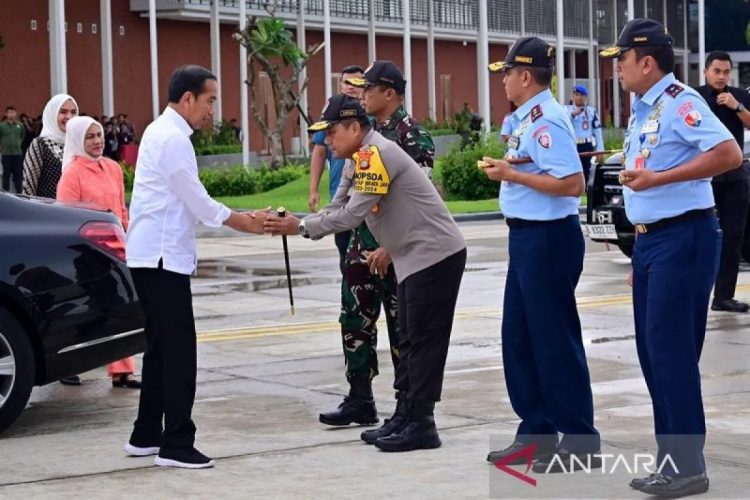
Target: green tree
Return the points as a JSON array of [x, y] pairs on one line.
[[273, 51]]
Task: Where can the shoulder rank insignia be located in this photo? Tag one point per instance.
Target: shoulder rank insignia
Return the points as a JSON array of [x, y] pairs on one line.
[[370, 174], [536, 113], [674, 90]]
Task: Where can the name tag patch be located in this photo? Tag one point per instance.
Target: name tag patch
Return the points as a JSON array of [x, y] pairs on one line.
[[650, 127], [370, 174]]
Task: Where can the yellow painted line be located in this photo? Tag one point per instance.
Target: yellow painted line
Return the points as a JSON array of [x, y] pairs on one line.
[[333, 326], [328, 326]]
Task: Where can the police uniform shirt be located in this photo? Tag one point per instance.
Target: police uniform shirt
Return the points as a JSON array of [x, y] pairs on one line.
[[587, 126], [670, 125], [385, 187], [506, 128], [543, 132]]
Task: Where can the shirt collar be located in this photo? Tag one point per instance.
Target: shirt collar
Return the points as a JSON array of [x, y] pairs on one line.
[[176, 118], [656, 90], [526, 108]]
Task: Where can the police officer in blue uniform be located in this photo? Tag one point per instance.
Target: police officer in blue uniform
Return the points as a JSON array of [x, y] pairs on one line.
[[674, 145], [543, 356], [587, 126]]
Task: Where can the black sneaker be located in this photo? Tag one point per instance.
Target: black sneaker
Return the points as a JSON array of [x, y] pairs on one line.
[[186, 459], [141, 451]]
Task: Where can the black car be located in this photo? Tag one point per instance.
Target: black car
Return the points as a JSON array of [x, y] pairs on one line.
[[67, 301], [605, 213]]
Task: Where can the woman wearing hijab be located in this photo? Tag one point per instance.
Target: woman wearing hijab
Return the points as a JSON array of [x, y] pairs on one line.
[[42, 166], [90, 177]]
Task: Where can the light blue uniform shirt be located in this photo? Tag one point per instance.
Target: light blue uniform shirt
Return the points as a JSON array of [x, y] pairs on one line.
[[670, 125], [506, 128], [587, 126], [335, 165], [541, 131]]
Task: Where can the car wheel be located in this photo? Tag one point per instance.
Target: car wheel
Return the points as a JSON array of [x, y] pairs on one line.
[[626, 249], [16, 369]]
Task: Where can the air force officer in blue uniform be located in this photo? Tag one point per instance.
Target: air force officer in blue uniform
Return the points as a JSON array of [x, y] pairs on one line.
[[543, 357], [674, 145]]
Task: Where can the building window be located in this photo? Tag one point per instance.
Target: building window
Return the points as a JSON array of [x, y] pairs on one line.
[[93, 29], [33, 25], [79, 27], [122, 30]]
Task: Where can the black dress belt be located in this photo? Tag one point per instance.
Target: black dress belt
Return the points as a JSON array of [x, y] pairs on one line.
[[689, 215], [518, 223]]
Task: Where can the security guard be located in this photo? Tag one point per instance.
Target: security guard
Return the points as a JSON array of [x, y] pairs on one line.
[[408, 218], [587, 126], [673, 146], [543, 356]]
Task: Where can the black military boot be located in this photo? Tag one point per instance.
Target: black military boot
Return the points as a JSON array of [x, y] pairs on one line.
[[419, 433], [358, 407], [391, 425]]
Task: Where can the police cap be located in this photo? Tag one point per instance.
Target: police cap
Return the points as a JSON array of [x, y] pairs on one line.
[[640, 32], [381, 73], [340, 107], [527, 51]]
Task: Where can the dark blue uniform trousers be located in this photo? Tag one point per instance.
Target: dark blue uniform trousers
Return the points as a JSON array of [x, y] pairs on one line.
[[543, 356], [674, 269]]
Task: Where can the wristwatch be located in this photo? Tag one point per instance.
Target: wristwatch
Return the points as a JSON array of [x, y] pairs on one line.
[[302, 229], [740, 108]]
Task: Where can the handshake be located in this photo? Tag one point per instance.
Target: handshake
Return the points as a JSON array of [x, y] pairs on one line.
[[264, 221]]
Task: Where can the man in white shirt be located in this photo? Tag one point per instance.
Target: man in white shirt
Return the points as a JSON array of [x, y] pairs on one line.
[[168, 200]]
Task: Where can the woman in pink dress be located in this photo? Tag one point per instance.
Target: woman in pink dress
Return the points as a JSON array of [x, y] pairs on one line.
[[90, 177]]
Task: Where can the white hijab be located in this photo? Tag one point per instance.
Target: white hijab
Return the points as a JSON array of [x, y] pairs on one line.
[[75, 137], [50, 128]]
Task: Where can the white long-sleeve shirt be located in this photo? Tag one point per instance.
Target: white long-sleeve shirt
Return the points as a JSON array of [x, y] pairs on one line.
[[168, 199]]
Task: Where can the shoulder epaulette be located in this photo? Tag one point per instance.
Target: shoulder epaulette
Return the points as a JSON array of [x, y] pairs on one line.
[[674, 90], [536, 113]]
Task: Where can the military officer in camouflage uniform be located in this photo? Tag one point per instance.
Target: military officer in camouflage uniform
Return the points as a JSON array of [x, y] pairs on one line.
[[405, 213], [363, 288]]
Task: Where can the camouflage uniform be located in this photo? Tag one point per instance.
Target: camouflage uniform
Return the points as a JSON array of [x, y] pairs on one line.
[[363, 293]]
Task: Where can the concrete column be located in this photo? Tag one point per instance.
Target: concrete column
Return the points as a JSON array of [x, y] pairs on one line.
[[302, 44], [215, 27], [327, 49], [431, 84], [371, 48], [592, 61], [244, 110], [483, 56], [615, 83], [108, 92], [58, 67], [154, 59], [701, 40], [406, 11], [560, 54]]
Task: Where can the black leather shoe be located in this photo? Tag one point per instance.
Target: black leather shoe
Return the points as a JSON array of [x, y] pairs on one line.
[[126, 380], [415, 436], [74, 380], [729, 305], [351, 410], [567, 462], [640, 481], [669, 487], [541, 452], [393, 425]]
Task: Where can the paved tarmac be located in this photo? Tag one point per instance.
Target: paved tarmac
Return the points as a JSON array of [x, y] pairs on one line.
[[264, 376]]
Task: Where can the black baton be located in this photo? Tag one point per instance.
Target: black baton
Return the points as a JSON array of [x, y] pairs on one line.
[[281, 212]]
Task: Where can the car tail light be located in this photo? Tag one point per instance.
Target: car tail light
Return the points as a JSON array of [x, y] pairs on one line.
[[106, 236]]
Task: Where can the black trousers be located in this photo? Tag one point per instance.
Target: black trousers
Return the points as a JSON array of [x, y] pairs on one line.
[[13, 165], [170, 361], [585, 162], [732, 202], [426, 304]]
